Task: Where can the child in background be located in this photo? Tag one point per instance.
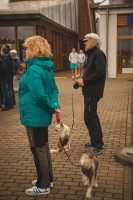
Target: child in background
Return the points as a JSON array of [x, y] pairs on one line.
[[73, 58], [81, 60]]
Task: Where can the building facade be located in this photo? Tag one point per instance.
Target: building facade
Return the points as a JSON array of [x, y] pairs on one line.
[[59, 21], [115, 27], [19, 20]]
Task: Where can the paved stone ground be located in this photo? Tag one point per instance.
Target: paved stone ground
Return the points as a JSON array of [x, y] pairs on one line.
[[115, 180]]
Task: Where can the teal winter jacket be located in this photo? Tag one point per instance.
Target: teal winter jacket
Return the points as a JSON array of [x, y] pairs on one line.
[[38, 93]]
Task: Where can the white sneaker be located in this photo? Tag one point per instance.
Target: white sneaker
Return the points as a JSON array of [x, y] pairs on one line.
[[72, 77], [78, 76], [34, 183], [37, 191]]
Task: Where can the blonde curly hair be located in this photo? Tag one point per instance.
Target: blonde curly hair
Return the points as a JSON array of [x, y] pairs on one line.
[[38, 45]]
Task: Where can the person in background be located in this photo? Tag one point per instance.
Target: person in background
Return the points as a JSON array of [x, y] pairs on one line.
[[7, 47], [81, 60], [23, 65], [1, 95], [38, 101], [13, 92], [73, 58], [7, 79], [16, 61], [92, 83]]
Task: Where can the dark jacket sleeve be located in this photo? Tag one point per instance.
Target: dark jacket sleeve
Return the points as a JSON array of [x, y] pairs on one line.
[[4, 66], [98, 65]]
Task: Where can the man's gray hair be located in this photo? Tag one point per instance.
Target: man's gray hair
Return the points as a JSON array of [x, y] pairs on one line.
[[95, 39]]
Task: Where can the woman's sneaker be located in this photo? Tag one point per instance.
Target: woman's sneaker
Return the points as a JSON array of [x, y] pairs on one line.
[[37, 191], [34, 183], [72, 77]]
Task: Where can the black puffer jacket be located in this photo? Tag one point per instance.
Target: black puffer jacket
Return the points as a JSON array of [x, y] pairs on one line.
[[7, 68], [0, 68], [94, 73]]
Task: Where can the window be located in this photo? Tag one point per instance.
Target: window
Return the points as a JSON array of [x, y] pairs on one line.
[[125, 31], [7, 36], [125, 50], [24, 32]]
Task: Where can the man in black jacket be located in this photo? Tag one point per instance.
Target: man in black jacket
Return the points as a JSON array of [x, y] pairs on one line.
[[92, 84], [6, 72], [1, 95]]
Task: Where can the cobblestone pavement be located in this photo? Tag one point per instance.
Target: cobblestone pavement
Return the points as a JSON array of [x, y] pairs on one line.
[[115, 180]]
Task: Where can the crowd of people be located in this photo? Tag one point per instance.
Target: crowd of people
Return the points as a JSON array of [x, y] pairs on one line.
[[9, 65]]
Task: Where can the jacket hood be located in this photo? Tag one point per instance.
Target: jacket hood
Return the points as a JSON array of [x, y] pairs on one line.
[[44, 62]]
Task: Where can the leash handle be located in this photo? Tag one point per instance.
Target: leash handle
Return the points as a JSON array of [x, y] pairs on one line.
[[58, 119]]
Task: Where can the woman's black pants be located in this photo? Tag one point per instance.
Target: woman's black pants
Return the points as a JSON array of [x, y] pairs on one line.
[[38, 140]]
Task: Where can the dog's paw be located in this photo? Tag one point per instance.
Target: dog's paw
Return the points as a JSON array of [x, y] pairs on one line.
[[59, 150], [54, 150], [85, 183], [88, 195], [95, 185]]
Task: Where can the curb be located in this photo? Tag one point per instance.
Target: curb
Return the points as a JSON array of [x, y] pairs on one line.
[[125, 156]]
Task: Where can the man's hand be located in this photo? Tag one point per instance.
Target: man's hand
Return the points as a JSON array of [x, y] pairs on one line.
[[80, 82]]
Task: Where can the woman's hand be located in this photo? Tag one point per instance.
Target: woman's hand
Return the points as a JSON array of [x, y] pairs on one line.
[[57, 110]]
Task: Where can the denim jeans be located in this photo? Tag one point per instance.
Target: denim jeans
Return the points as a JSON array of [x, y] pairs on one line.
[[92, 121], [7, 94], [1, 96]]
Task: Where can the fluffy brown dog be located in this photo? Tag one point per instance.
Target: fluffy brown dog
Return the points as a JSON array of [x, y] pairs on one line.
[[89, 167]]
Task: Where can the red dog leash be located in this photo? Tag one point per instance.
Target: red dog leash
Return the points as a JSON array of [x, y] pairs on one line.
[[58, 119]]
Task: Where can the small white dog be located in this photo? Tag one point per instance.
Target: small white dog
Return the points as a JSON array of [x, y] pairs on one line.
[[64, 137], [89, 167]]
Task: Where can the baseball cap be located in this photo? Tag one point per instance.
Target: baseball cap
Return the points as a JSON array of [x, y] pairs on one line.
[[13, 51], [92, 36]]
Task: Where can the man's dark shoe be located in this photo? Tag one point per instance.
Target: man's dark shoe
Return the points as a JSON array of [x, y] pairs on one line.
[[87, 145], [98, 151], [11, 107], [95, 151], [5, 109]]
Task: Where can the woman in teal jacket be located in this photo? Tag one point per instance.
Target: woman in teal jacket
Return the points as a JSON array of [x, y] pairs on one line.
[[38, 100]]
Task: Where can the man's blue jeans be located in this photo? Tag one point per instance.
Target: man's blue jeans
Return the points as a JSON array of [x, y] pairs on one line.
[[7, 94], [1, 96]]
